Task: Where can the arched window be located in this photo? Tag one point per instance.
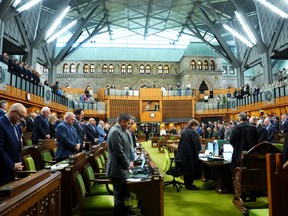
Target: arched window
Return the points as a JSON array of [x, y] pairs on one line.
[[141, 69], [199, 65], [92, 68], [166, 69], [65, 68], [86, 68], [160, 69], [148, 69], [45, 70], [212, 65], [123, 69], [193, 65], [129, 69], [72, 68], [111, 68], [104, 68], [205, 65]]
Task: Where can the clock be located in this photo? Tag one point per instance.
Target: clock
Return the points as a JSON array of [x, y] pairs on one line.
[[48, 95], [152, 115], [268, 96], [233, 104], [28, 96]]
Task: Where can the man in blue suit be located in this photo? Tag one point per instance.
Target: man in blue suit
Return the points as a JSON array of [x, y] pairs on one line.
[[91, 132], [41, 128], [3, 107], [270, 130], [10, 143], [101, 132], [68, 142]]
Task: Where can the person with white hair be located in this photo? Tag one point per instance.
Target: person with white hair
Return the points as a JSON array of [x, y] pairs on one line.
[[68, 142], [41, 128]]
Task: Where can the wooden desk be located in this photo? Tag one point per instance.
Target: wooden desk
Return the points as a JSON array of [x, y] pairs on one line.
[[68, 193], [220, 171], [150, 193], [38, 194]]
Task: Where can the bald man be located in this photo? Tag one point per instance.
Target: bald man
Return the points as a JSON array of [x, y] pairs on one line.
[[91, 132], [10, 143]]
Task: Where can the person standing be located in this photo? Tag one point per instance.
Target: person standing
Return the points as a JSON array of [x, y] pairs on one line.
[[243, 137], [119, 163], [30, 122], [41, 128], [270, 130], [10, 143], [3, 107], [79, 113], [91, 132], [101, 132], [187, 154], [68, 142]]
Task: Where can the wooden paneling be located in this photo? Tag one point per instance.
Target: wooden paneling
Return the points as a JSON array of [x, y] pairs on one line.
[[177, 109], [131, 107]]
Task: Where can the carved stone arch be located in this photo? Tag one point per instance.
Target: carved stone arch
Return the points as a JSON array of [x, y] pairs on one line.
[[78, 67], [172, 69], [204, 85], [126, 87], [154, 69], [98, 67], [67, 85], [117, 68], [107, 86]]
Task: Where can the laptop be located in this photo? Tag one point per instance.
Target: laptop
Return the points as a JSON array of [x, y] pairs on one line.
[[141, 168]]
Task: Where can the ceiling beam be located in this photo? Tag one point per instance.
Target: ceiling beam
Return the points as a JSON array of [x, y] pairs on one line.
[[276, 35], [39, 40], [74, 38], [234, 61], [147, 20], [4, 7]]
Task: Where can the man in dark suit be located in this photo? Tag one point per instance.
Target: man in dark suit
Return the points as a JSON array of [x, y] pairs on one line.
[[285, 149], [270, 130], [243, 137], [3, 107], [68, 142], [284, 123], [10, 143], [91, 132], [30, 122], [79, 113], [41, 128], [119, 163]]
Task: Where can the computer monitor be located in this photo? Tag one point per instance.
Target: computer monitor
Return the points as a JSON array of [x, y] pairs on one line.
[[216, 149], [227, 148], [220, 145], [210, 147]]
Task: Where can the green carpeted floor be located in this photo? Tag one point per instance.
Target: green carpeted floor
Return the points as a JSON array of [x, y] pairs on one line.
[[196, 203]]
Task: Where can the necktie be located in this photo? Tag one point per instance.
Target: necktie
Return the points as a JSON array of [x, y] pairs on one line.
[[16, 133]]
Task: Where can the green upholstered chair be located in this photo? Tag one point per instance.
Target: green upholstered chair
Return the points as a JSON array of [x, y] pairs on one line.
[[279, 146], [28, 142], [259, 212], [100, 168], [47, 159], [96, 185], [92, 205], [103, 160], [29, 163], [170, 170]]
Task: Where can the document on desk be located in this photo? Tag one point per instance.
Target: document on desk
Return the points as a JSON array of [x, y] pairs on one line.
[[59, 166], [133, 180]]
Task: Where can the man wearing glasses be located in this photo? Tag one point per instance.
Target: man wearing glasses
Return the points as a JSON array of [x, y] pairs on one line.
[[68, 142], [10, 143], [41, 128]]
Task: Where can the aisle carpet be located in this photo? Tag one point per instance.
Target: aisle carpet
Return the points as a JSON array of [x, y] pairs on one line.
[[204, 202]]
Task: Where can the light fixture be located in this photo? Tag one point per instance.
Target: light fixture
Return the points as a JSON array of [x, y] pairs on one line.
[[273, 8], [246, 28], [27, 5], [15, 3], [57, 22], [237, 35], [66, 28]]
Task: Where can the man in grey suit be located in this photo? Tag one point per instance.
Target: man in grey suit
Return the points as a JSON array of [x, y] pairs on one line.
[[119, 162]]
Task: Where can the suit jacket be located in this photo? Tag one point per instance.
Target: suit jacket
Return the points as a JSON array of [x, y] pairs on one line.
[[67, 139], [221, 132], [79, 130], [101, 134], [41, 129], [271, 133], [10, 150], [119, 151], [2, 112], [91, 134], [29, 125], [285, 149], [284, 126]]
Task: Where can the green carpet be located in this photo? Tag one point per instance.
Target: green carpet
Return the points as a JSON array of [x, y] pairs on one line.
[[196, 203]]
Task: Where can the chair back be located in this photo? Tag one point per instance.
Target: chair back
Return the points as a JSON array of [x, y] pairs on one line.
[[47, 157], [29, 163], [99, 166], [28, 142], [167, 162], [88, 172]]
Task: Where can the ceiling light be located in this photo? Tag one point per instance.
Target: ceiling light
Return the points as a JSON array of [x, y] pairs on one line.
[[273, 8], [57, 22], [246, 28], [237, 35], [15, 3], [27, 5], [66, 28]]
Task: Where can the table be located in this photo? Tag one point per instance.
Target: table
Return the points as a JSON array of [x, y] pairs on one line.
[[220, 171]]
